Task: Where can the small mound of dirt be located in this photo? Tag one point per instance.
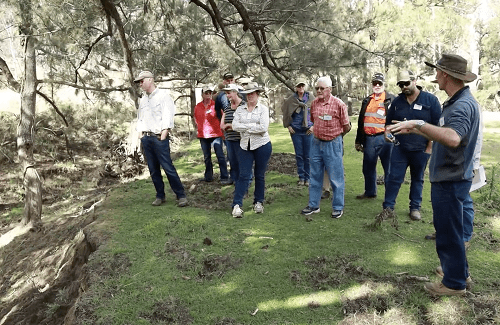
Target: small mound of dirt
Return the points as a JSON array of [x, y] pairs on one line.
[[283, 163], [170, 311]]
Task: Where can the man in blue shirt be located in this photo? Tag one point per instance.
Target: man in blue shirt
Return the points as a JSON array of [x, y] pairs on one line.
[[410, 150], [450, 168], [221, 101]]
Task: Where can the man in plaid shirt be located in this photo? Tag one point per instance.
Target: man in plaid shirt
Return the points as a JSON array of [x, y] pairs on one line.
[[331, 123]]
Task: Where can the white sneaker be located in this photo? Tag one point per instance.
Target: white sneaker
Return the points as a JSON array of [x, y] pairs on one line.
[[237, 212], [258, 207]]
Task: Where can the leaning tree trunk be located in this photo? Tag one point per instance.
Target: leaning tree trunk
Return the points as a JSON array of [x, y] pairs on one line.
[[31, 179]]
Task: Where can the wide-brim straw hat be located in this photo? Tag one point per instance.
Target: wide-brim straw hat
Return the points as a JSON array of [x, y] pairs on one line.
[[455, 66], [252, 87], [233, 87]]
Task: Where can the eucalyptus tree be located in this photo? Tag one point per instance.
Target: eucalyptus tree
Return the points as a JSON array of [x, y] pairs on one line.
[[96, 48], [291, 37]]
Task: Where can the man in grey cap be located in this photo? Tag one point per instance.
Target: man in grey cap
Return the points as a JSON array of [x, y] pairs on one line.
[[410, 150], [296, 111], [450, 169], [155, 119]]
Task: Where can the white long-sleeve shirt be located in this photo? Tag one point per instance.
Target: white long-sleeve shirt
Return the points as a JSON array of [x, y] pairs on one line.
[[156, 112], [252, 126]]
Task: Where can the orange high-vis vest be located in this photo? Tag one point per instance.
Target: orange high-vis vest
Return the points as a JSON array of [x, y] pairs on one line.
[[375, 115]]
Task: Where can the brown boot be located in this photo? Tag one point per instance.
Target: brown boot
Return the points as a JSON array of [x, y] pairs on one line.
[[439, 289]]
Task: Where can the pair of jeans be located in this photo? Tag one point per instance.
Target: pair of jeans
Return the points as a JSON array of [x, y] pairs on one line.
[[157, 154], [246, 159], [448, 205], [233, 151], [206, 147], [302, 146], [400, 160], [468, 218], [375, 147], [327, 155]]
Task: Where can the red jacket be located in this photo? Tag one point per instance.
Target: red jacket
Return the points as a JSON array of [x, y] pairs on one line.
[[207, 121]]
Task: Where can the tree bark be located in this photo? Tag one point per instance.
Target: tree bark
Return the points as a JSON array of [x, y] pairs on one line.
[[31, 179]]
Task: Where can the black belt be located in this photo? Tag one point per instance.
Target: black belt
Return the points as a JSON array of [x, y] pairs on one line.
[[150, 134], [374, 135]]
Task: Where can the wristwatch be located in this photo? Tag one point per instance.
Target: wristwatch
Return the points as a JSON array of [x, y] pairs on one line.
[[419, 124]]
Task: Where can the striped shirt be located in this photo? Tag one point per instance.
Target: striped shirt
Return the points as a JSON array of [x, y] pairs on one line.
[[231, 135], [328, 117], [252, 126]]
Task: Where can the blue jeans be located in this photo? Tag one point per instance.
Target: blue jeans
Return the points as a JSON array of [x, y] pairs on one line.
[[327, 155], [157, 154], [302, 145], [400, 160], [375, 147], [247, 158], [206, 147], [448, 205], [233, 151], [468, 218]]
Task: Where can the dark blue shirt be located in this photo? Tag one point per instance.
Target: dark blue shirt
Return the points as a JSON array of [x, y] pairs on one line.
[[460, 113], [221, 104], [425, 107]]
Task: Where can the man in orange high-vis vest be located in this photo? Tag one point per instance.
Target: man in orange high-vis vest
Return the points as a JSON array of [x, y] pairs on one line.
[[370, 135]]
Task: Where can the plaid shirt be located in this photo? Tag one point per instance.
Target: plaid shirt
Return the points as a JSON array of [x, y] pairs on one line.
[[328, 117]]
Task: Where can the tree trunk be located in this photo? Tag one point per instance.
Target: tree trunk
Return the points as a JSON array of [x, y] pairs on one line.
[[31, 179]]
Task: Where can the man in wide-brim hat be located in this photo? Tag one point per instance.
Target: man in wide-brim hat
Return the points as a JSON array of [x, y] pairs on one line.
[[455, 66], [450, 169]]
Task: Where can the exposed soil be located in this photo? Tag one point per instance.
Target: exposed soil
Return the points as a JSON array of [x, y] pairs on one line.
[[44, 272]]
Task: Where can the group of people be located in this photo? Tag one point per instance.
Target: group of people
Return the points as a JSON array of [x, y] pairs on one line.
[[221, 118], [401, 130]]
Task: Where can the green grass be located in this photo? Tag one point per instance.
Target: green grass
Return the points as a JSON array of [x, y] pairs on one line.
[[159, 271]]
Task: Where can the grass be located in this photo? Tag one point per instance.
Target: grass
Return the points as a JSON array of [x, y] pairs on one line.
[[169, 265]]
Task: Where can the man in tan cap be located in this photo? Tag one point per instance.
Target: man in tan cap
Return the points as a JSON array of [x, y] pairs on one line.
[[155, 119], [450, 169], [409, 150], [296, 111]]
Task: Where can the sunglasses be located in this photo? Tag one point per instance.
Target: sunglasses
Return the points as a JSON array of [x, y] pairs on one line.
[[403, 84], [320, 88], [377, 83]]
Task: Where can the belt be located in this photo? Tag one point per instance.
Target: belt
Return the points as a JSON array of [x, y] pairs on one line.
[[150, 134], [324, 140], [374, 135]]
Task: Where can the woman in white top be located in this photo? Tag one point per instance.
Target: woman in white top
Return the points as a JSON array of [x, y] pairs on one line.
[[252, 121]]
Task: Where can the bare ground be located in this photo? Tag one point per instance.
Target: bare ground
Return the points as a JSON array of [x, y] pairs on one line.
[[45, 272]]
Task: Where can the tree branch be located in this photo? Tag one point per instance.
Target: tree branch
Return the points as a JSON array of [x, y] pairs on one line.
[[51, 102], [109, 32], [69, 84], [11, 81]]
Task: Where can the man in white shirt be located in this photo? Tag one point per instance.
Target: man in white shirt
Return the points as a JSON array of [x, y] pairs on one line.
[[155, 119]]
